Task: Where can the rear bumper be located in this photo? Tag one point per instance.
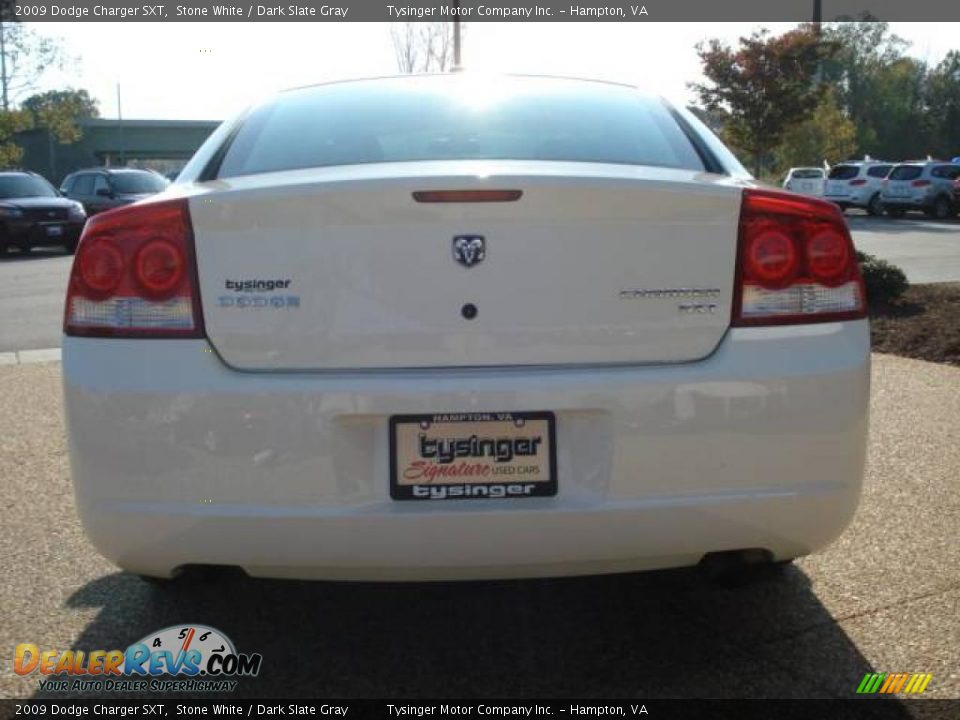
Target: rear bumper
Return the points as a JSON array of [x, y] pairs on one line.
[[35, 234], [908, 203], [179, 460]]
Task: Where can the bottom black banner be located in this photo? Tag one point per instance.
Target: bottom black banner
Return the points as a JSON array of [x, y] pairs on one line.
[[490, 709]]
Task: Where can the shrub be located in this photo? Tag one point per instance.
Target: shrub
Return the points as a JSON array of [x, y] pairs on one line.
[[884, 282]]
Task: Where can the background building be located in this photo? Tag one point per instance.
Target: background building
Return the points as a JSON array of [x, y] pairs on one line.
[[163, 145]]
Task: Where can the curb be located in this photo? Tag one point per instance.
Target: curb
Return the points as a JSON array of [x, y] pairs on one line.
[[30, 357]]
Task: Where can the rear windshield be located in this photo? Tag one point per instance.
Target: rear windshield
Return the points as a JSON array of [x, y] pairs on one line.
[[844, 172], [458, 118], [807, 174], [879, 171], [134, 183], [24, 186], [906, 172]]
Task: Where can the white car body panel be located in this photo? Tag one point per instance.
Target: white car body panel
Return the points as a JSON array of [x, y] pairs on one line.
[[813, 186], [178, 459]]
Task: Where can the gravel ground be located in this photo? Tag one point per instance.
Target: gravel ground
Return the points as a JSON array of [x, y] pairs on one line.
[[885, 597]]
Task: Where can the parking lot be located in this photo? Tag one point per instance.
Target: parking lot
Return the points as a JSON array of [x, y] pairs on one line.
[[884, 598]]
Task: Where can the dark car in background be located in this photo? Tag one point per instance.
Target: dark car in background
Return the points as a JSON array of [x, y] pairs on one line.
[[33, 213], [102, 189]]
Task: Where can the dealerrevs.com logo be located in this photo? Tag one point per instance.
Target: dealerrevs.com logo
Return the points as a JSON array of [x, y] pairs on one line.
[[180, 658]]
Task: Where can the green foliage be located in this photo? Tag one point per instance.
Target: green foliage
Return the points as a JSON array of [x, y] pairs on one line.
[[827, 134], [763, 86], [11, 122], [871, 99], [885, 282], [59, 110]]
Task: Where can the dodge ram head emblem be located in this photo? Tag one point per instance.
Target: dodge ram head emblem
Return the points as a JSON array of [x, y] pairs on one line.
[[469, 250]]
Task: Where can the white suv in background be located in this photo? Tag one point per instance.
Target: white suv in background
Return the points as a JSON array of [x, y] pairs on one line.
[[806, 181], [922, 185], [858, 184]]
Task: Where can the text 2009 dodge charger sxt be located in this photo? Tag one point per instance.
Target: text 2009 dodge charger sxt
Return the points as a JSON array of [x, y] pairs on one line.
[[463, 327]]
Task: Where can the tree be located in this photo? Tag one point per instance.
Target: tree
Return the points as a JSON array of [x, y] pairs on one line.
[[943, 101], [765, 85], [863, 62], [827, 135], [422, 46], [24, 56], [59, 110], [11, 122]]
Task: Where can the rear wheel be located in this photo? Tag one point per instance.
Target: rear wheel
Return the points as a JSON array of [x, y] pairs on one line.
[[875, 206], [941, 208]]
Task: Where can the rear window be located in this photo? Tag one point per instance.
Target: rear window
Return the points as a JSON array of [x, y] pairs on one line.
[[136, 183], [844, 172], [458, 118], [879, 171], [807, 174], [946, 171], [906, 172]]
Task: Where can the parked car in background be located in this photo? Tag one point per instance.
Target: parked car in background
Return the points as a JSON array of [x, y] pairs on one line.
[[805, 180], [925, 185], [857, 184], [559, 331], [102, 189], [33, 214], [956, 193]]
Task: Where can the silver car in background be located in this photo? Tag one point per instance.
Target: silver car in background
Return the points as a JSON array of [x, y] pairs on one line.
[[925, 185]]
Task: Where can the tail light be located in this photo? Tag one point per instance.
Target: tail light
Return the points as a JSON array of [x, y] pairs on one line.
[[134, 275], [796, 262], [920, 183], [858, 181]]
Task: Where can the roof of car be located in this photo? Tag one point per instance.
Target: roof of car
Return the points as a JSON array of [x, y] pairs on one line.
[[111, 170], [462, 75]]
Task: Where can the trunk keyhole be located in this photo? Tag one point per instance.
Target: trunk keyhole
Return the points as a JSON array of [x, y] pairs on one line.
[[469, 311]]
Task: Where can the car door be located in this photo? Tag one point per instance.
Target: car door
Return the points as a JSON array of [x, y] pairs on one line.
[[103, 195], [81, 190]]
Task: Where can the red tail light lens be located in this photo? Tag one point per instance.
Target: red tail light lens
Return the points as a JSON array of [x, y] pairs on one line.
[[134, 275], [858, 181], [796, 262], [159, 267], [920, 183], [101, 266]]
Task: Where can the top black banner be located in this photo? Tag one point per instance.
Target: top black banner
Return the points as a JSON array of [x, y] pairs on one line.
[[480, 11]]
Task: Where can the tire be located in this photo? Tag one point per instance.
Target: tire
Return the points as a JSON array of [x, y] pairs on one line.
[[875, 206], [70, 246], [941, 208], [896, 212]]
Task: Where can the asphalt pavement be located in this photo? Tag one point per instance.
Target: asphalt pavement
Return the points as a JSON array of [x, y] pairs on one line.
[[884, 598], [32, 286]]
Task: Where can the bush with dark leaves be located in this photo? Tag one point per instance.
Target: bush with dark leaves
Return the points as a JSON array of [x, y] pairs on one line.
[[885, 282]]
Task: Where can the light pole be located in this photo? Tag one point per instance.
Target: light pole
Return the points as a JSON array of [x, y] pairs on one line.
[[456, 35]]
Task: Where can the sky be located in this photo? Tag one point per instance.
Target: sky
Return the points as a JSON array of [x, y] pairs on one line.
[[209, 71]]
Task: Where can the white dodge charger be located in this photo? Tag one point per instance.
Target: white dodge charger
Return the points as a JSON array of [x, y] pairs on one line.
[[464, 327]]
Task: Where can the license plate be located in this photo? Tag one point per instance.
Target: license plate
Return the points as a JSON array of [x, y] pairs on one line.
[[54, 231], [459, 456], [899, 191]]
